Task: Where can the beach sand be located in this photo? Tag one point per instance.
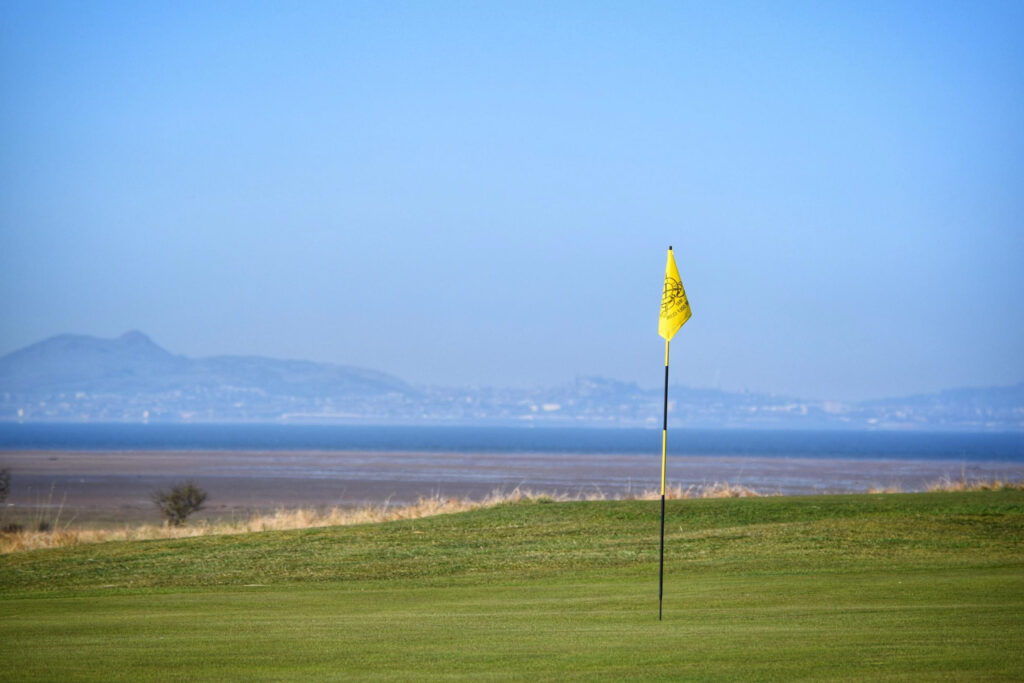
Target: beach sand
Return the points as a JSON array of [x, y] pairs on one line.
[[94, 488]]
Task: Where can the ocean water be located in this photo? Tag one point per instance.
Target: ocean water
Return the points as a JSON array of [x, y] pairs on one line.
[[964, 447]]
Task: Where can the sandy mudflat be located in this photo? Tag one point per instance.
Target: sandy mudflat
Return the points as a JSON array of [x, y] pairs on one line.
[[113, 486]]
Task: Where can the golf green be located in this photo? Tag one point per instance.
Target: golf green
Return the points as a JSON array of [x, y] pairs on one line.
[[882, 587]]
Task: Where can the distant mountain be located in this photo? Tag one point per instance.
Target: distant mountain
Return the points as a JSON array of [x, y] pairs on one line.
[[130, 378]]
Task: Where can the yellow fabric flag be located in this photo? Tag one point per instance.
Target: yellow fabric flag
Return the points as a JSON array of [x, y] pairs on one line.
[[675, 309]]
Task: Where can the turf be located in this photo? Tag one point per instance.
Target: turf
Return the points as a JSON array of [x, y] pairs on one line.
[[883, 587]]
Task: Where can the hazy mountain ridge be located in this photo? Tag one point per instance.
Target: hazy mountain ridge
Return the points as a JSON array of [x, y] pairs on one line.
[[73, 377], [131, 378]]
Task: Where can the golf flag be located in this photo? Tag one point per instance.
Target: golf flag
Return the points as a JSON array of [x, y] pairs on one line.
[[675, 309]]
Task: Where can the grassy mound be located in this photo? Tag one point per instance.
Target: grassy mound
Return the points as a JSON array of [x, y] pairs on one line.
[[827, 587]]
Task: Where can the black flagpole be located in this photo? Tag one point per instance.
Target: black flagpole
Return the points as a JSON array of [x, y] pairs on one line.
[[664, 439]]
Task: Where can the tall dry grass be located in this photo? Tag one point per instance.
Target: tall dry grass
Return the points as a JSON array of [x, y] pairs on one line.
[[962, 484], [718, 489], [891, 488], [308, 518]]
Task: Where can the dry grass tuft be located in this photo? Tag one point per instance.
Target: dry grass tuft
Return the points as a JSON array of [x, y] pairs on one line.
[[963, 484], [891, 488], [718, 489]]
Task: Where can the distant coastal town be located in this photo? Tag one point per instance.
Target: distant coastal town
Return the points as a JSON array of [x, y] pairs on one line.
[[74, 378]]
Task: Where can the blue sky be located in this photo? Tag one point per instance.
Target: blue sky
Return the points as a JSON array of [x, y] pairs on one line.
[[483, 192]]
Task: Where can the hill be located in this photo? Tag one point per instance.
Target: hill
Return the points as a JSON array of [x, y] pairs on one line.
[[132, 378]]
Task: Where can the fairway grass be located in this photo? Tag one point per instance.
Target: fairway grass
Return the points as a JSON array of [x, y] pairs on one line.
[[883, 587]]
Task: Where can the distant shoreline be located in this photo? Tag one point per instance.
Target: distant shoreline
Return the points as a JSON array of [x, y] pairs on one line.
[[844, 443]]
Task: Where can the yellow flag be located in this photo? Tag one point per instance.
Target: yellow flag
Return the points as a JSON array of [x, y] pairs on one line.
[[675, 309]]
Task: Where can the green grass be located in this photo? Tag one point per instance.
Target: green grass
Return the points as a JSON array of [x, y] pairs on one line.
[[881, 587]]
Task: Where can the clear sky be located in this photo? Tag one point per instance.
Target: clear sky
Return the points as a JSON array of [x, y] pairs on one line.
[[483, 192]]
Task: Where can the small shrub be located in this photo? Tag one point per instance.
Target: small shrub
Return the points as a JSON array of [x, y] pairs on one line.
[[180, 502], [5, 484], [12, 528]]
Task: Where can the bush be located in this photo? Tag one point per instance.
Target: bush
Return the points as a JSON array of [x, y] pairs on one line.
[[5, 484], [180, 502]]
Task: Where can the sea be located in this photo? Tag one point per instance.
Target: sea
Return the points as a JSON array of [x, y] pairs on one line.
[[834, 444]]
